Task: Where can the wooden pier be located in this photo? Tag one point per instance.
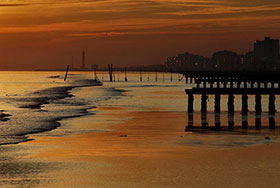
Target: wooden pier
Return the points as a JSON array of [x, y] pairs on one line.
[[232, 84]]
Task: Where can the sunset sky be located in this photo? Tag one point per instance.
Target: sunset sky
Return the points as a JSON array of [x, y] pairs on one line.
[[38, 34]]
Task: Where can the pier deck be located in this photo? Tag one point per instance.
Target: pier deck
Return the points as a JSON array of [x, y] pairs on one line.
[[235, 91]]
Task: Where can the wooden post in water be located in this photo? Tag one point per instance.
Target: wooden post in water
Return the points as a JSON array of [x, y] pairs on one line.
[[244, 111], [190, 103], [190, 120], [171, 75], [271, 111], [217, 111], [67, 69], [110, 69], [258, 104], [204, 110], [272, 84], [156, 76], [140, 76], [204, 84], [204, 103], [217, 103], [231, 111], [231, 84], [190, 110], [258, 111], [125, 79]]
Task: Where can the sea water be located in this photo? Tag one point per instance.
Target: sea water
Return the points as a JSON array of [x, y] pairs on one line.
[[36, 102]]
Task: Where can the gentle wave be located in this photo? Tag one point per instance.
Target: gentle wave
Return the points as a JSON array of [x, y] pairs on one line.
[[33, 115]]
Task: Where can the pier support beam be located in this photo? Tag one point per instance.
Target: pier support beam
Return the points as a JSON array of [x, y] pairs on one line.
[[218, 84], [231, 111], [231, 120], [244, 121], [217, 103], [204, 122], [238, 84], [258, 122], [244, 111], [204, 110], [245, 103], [272, 85], [190, 120], [217, 121], [271, 111], [258, 104], [217, 111], [271, 105], [204, 84], [231, 84], [190, 103], [204, 103], [251, 84], [245, 84], [231, 103], [258, 111]]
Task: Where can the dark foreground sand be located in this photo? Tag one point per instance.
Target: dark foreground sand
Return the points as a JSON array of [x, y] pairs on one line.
[[140, 149]]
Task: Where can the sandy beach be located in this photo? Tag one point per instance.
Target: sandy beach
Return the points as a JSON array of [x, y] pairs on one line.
[[142, 150]]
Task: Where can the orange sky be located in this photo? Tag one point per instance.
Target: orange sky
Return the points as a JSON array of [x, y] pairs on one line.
[[46, 33]]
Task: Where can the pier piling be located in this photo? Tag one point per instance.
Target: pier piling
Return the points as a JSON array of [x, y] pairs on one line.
[[217, 103], [66, 73], [204, 103], [190, 120], [271, 111], [232, 85], [190, 103]]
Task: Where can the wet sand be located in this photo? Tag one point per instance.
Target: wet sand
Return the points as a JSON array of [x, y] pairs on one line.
[[126, 148]]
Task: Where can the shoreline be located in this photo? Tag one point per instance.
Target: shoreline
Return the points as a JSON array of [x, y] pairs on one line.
[[105, 159]]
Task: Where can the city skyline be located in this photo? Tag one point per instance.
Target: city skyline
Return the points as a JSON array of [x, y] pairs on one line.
[[46, 34], [263, 57]]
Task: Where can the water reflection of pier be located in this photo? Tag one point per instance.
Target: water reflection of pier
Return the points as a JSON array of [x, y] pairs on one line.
[[231, 85]]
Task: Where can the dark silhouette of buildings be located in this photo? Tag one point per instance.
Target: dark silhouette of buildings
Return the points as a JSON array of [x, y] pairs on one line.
[[264, 57], [187, 60], [226, 60], [267, 48], [266, 54]]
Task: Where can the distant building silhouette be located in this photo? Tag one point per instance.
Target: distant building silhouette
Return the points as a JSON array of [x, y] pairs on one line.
[[264, 57], [188, 60], [226, 60], [267, 48], [266, 54]]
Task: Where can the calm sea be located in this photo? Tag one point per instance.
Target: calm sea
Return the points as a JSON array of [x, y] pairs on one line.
[[36, 102]]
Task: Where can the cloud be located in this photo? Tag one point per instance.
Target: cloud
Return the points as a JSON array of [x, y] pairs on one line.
[[13, 5], [89, 18]]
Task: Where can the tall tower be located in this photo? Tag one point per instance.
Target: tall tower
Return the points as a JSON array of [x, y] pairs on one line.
[[84, 61]]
